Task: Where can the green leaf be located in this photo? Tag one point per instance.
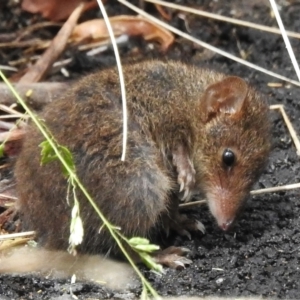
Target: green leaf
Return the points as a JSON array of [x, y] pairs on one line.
[[67, 155], [48, 155], [138, 241], [142, 244], [2, 150], [150, 263], [146, 248]]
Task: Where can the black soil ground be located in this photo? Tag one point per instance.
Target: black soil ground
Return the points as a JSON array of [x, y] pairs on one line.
[[261, 255]]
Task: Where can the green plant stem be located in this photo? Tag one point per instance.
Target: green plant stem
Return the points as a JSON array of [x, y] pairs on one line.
[[74, 178]]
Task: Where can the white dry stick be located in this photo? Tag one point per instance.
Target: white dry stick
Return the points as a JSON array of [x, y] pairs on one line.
[[156, 21], [8, 68], [122, 82], [16, 235], [15, 116], [3, 196], [285, 38], [289, 125], [276, 189], [11, 111], [206, 14], [254, 192], [199, 202]]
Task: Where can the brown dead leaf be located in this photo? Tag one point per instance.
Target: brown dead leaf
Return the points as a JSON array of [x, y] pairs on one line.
[[8, 215], [55, 10], [40, 69], [95, 30], [167, 16], [13, 141]]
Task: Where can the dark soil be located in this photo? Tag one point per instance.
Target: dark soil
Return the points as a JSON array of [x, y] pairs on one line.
[[261, 255]]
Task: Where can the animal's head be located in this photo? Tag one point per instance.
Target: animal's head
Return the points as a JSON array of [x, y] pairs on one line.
[[235, 146]]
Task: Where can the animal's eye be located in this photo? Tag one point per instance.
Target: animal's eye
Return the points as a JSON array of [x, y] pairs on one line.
[[228, 157]]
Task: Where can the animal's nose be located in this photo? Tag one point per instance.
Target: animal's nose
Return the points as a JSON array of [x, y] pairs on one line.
[[226, 225]]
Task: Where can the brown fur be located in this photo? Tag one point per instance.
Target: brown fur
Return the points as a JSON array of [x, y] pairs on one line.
[[166, 111]]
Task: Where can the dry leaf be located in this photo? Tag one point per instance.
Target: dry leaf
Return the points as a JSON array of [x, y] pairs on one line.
[[167, 16], [95, 30], [40, 69], [13, 141], [54, 10]]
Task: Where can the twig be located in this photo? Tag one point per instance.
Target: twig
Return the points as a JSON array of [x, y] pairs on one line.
[[163, 13], [285, 38], [13, 116], [29, 29], [7, 125], [10, 110], [276, 189], [199, 202], [121, 76], [23, 44], [8, 197], [207, 46], [16, 235], [225, 19], [289, 125], [5, 166], [8, 68], [254, 192]]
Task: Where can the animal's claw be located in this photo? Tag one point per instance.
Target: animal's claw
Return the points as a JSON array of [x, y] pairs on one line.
[[173, 257], [200, 226], [186, 172], [181, 185], [183, 225]]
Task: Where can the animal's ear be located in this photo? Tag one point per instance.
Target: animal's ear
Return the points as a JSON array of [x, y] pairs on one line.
[[224, 97]]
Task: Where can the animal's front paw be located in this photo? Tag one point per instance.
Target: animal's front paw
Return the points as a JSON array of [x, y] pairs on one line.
[[186, 172], [183, 225], [173, 257]]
